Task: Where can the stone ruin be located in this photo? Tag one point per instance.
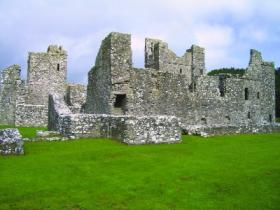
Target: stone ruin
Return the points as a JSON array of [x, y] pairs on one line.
[[156, 104], [11, 142], [25, 103]]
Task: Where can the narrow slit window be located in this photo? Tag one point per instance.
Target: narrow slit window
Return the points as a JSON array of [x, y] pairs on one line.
[[249, 115], [222, 85], [258, 95], [58, 67], [180, 71], [270, 118], [246, 94]]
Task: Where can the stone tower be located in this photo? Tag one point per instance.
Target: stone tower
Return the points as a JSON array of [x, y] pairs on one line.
[[46, 73]]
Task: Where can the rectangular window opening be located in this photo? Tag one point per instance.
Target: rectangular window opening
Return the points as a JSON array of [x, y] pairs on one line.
[[249, 115], [246, 93], [120, 102], [222, 85]]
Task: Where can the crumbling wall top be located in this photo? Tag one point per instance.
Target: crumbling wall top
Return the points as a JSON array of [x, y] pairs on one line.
[[255, 57], [10, 74], [56, 49]]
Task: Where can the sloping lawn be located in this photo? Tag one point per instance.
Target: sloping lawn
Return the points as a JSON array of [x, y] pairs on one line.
[[227, 172]]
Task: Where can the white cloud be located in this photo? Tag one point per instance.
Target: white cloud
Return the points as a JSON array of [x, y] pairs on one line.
[[214, 36], [224, 27], [254, 33]]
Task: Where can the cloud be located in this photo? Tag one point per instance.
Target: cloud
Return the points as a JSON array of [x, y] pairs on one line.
[[214, 35], [227, 29]]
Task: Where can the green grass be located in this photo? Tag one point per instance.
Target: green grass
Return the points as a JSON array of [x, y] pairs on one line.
[[277, 119], [226, 172], [26, 132]]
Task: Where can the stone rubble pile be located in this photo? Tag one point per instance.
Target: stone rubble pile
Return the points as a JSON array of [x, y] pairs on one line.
[[11, 142]]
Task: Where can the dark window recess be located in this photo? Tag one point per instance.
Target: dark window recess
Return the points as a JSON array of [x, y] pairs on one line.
[[203, 121], [228, 118], [58, 67], [246, 94], [270, 118], [192, 87], [120, 101], [222, 85], [180, 71], [258, 95], [249, 115]]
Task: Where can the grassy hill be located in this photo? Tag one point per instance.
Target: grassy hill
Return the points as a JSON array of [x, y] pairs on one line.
[[226, 172]]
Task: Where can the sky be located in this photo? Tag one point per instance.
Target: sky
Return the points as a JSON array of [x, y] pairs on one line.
[[227, 29]]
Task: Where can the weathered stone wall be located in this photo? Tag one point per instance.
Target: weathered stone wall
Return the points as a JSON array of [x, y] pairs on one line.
[[109, 78], [133, 98], [158, 56], [99, 80], [57, 113], [178, 86], [11, 142], [31, 115], [128, 129], [46, 73], [10, 85], [26, 103], [76, 97]]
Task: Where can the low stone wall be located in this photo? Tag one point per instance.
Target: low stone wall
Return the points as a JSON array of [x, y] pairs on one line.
[[11, 142], [31, 115], [215, 130], [128, 129]]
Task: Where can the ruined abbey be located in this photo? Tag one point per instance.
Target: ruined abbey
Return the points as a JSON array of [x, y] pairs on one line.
[[151, 105]]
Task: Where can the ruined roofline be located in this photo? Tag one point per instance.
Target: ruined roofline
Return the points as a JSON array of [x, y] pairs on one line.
[[256, 56], [13, 71], [193, 46], [52, 49], [8, 68]]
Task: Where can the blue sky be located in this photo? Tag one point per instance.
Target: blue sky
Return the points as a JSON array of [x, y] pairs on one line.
[[227, 29]]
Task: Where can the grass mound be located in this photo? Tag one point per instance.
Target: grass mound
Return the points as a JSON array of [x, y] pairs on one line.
[[226, 172]]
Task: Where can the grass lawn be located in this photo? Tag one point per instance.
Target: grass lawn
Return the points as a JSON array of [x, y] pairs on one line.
[[226, 172]]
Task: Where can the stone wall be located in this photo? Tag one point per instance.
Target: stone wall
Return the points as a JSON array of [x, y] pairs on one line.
[[46, 73], [76, 97], [99, 80], [10, 85], [120, 98], [159, 57], [128, 129], [31, 115], [11, 142], [26, 103], [178, 86]]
